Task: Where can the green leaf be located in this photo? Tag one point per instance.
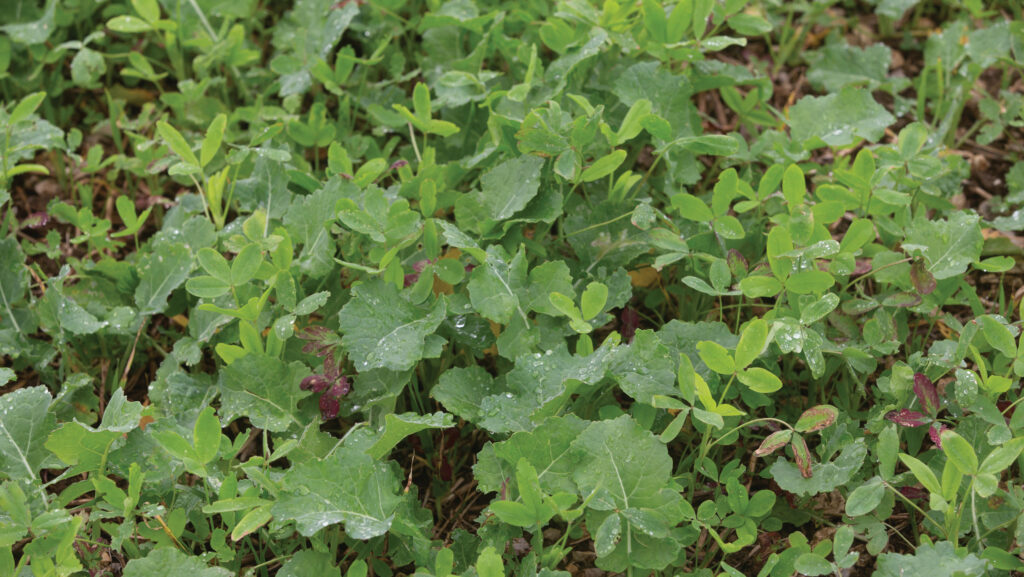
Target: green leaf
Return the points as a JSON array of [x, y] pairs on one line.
[[959, 452], [212, 140], [607, 535], [626, 467], [716, 357], [170, 562], [824, 476], [265, 389], [813, 564], [307, 562], [1002, 457], [494, 288], [810, 282], [206, 435], [398, 427], [760, 380], [176, 142], [383, 330], [546, 448], [251, 522], [691, 208], [839, 119], [508, 187], [603, 166], [760, 286], [948, 245], [489, 564], [593, 299], [865, 498], [25, 424], [544, 279], [998, 336], [348, 486], [839, 64], [753, 340], [25, 107], [13, 279], [160, 273], [128, 24], [207, 287], [245, 264], [923, 473], [939, 560]]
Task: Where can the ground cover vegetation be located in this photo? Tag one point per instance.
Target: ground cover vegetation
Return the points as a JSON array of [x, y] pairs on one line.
[[494, 288]]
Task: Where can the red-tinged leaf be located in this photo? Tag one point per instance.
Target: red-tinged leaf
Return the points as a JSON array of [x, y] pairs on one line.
[[329, 406], [315, 383], [926, 393], [935, 433], [817, 418], [907, 418], [922, 280], [774, 442], [802, 455]]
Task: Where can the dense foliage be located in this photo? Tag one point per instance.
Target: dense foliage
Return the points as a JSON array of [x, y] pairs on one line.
[[491, 287]]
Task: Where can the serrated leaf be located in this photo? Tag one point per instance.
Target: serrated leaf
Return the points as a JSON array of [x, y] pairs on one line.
[[839, 119], [171, 562], [398, 427], [824, 476], [348, 486], [383, 330], [25, 425], [160, 273], [508, 187], [263, 388], [948, 245]]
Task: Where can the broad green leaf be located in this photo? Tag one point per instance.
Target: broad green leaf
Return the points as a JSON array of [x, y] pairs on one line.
[[691, 208], [495, 287], [607, 535], [348, 486], [593, 299], [760, 286], [265, 389], [839, 119], [840, 64], [25, 107], [812, 564], [160, 273], [13, 279], [632, 125], [547, 449], [544, 279], [128, 24], [206, 435], [865, 498], [998, 336], [398, 427], [383, 330], [25, 424], [308, 562], [959, 452], [948, 245], [716, 357], [819, 308], [810, 282], [939, 560], [824, 476], [760, 380], [1002, 457], [170, 562], [508, 187], [753, 340]]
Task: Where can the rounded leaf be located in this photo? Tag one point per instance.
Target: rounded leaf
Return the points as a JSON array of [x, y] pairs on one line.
[[817, 418]]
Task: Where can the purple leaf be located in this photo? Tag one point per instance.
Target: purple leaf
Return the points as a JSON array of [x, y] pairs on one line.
[[630, 322], [914, 493], [315, 383], [329, 406], [935, 432], [926, 393], [907, 418]]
